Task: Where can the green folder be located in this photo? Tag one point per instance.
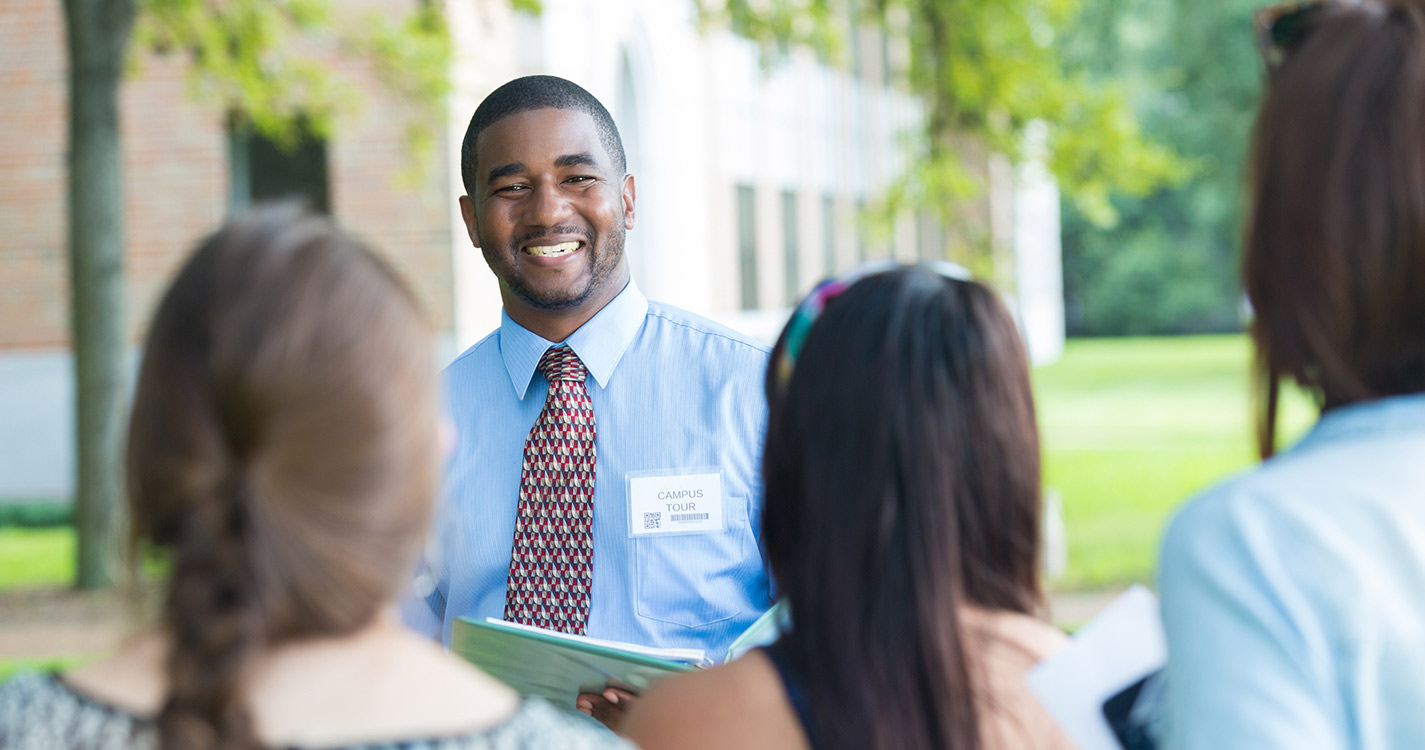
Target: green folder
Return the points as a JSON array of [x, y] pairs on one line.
[[558, 667], [762, 631]]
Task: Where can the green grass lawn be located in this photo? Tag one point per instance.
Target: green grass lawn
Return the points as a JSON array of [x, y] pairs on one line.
[[1131, 428], [9, 667], [34, 558]]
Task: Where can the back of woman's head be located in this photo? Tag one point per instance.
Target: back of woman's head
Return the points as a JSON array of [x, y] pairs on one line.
[[283, 453], [1334, 263], [902, 481]]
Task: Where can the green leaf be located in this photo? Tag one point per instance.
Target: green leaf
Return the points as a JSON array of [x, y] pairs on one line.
[[986, 72], [270, 63]]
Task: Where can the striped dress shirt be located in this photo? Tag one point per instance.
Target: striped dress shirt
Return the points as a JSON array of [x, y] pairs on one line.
[[671, 392]]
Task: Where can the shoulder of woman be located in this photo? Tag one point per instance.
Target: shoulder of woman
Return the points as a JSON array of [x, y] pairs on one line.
[[132, 679], [1038, 637], [438, 686], [701, 708], [1284, 494], [1236, 529], [1013, 717], [1020, 638]]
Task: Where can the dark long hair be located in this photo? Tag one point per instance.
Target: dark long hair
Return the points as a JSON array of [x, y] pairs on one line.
[[902, 479], [1334, 260], [283, 454]]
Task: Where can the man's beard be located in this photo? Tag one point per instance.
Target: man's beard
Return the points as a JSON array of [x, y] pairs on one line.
[[603, 261]]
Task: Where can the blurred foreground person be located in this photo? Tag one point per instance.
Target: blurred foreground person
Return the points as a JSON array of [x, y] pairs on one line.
[[283, 457], [1294, 595], [902, 528]]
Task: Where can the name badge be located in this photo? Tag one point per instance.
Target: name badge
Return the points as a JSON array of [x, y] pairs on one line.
[[678, 501]]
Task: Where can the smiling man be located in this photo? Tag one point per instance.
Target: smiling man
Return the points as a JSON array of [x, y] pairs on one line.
[[605, 479]]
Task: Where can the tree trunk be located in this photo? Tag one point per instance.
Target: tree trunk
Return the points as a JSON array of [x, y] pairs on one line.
[[99, 32]]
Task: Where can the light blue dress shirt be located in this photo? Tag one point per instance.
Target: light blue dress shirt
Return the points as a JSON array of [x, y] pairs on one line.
[[671, 391], [1294, 596]]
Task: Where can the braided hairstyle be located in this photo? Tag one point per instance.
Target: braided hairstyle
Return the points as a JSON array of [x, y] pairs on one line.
[[283, 455]]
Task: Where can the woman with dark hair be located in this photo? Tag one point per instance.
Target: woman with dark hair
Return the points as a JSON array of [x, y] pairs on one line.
[[902, 529], [1294, 595], [283, 460]]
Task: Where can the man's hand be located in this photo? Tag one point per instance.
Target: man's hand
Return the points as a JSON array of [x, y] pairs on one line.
[[609, 708]]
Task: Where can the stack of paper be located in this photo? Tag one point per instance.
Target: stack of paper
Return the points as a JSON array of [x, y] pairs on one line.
[[560, 666], [1101, 687]]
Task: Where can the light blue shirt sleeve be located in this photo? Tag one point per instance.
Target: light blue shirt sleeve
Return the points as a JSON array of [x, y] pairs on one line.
[[1245, 656], [423, 607], [424, 614], [1294, 595]]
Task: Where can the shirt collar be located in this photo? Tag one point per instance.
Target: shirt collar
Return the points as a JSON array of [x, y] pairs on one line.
[[1390, 414], [600, 342]]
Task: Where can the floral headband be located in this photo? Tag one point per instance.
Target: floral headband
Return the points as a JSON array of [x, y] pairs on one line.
[[815, 302]]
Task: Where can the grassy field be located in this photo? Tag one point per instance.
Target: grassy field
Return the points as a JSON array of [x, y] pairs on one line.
[[1131, 428], [33, 558], [11, 666]]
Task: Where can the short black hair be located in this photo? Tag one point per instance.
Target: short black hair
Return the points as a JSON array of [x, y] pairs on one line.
[[538, 92]]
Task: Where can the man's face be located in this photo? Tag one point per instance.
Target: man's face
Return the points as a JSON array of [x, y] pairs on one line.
[[549, 211]]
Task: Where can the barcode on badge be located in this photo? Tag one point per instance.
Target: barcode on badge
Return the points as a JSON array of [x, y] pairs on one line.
[[687, 517], [652, 520]]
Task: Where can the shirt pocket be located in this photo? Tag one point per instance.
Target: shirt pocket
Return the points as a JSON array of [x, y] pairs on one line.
[[698, 579]]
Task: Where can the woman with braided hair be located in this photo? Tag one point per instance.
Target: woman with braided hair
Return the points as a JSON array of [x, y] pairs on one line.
[[283, 460]]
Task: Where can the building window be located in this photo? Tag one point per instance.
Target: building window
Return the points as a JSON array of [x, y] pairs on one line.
[[861, 249], [262, 169], [858, 65], [930, 237], [747, 244], [828, 234], [855, 22], [884, 41], [789, 244]]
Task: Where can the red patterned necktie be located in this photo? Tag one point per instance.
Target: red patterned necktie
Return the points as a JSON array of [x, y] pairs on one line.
[[552, 562]]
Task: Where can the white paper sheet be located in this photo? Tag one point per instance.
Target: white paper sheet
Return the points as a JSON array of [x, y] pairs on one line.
[[1119, 647], [692, 656]]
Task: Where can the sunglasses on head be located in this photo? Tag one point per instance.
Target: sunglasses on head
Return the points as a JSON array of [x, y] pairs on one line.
[[1280, 28], [815, 302]]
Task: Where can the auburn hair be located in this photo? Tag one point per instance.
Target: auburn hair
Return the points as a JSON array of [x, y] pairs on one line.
[[1334, 259], [283, 455]]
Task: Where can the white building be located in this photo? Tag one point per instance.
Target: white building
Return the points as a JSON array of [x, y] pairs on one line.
[[750, 182]]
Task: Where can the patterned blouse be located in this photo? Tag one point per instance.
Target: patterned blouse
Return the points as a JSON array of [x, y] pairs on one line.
[[40, 712]]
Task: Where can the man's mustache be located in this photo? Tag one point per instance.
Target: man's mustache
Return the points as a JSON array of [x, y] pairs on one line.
[[526, 238]]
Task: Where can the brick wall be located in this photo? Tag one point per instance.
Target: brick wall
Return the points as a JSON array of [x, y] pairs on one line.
[[33, 275], [176, 181], [404, 212]]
